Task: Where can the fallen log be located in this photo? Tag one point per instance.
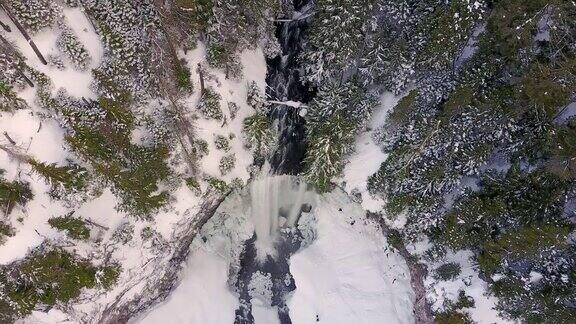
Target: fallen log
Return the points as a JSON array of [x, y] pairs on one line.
[[24, 33], [6, 27]]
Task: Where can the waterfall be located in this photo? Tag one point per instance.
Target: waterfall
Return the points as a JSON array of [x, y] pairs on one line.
[[276, 202], [276, 197]]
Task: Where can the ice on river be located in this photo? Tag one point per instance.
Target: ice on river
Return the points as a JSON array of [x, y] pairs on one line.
[[347, 275]]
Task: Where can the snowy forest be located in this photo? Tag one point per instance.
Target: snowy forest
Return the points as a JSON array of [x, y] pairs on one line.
[[288, 161]]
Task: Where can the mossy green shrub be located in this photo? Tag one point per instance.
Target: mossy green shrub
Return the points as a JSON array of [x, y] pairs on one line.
[[194, 185], [106, 277], [448, 271], [237, 184], [328, 145], [563, 152], [14, 193], [516, 221], [183, 77], [218, 184], [9, 100], [74, 227], [104, 141], [452, 317], [222, 56], [201, 148], [454, 312], [447, 30], [35, 14], [199, 12], [6, 231], [257, 132], [69, 44], [524, 243], [70, 178], [395, 239], [47, 276], [255, 98]]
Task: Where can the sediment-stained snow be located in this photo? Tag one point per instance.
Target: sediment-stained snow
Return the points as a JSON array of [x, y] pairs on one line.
[[349, 274]]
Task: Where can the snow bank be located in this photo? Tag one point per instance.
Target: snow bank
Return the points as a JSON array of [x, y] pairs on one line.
[[349, 275], [202, 296]]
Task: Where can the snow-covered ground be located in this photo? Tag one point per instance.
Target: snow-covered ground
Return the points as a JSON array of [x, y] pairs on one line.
[[347, 275], [439, 291], [41, 137], [202, 296]]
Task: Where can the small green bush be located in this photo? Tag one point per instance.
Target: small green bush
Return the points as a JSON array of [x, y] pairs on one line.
[[257, 133], [106, 277], [452, 317], [464, 301], [222, 143], [194, 185], [209, 105], [448, 271], [35, 14], [75, 227], [9, 100], [183, 77], [219, 185], [14, 193], [227, 163], [69, 44], [255, 98], [395, 239], [201, 147], [47, 276], [71, 177], [6, 230]]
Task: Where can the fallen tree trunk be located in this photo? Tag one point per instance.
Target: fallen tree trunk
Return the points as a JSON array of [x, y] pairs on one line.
[[24, 33], [14, 52], [121, 311], [6, 27]]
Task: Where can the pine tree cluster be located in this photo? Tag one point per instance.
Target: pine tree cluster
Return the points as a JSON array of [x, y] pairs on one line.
[[74, 50]]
